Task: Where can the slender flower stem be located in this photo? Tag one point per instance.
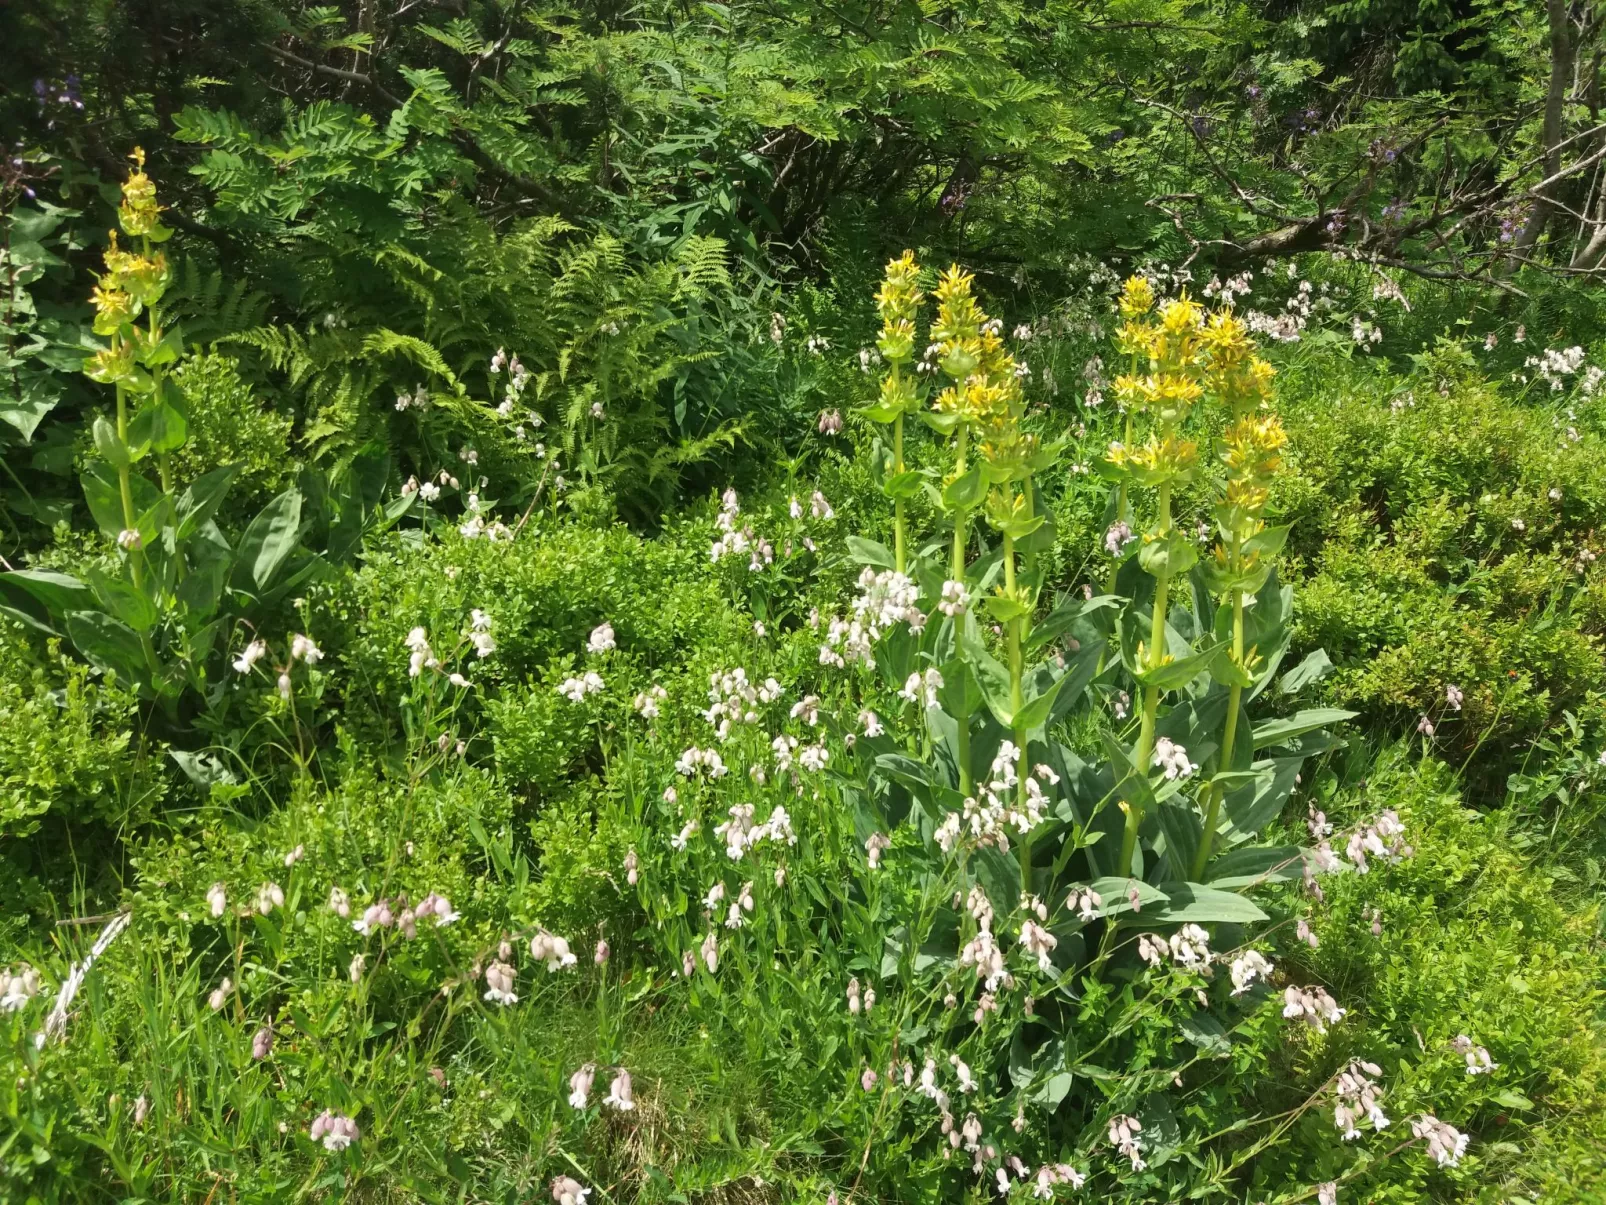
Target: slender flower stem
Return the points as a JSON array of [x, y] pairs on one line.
[[961, 517], [1156, 653], [897, 452], [134, 555], [956, 571], [1230, 731], [1017, 702]]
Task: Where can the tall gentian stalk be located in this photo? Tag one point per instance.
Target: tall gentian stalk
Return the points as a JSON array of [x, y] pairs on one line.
[[1251, 450], [898, 303], [985, 401], [135, 359], [1166, 393], [1134, 337]]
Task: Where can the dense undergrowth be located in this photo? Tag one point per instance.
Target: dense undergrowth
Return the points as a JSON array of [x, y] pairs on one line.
[[544, 655]]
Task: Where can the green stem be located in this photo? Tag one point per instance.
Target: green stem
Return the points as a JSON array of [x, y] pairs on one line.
[[1156, 653], [1229, 735], [897, 452], [956, 569], [1017, 703], [134, 556]]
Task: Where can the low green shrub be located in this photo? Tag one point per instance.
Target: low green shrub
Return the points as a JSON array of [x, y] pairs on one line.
[[1447, 536]]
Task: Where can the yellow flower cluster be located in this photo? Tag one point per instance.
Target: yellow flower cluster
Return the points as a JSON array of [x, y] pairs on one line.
[[898, 302], [132, 280], [139, 215], [985, 392], [1158, 458], [1251, 450], [1235, 373], [1172, 348]]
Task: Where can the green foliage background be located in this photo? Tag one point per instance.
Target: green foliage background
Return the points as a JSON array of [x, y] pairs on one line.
[[675, 216]]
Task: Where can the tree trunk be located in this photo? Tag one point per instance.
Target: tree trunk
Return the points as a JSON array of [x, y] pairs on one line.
[[1561, 70]]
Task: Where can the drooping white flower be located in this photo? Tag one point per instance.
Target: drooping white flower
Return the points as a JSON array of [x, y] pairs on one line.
[[874, 845], [302, 649], [967, 1081], [568, 1191], [269, 897], [1086, 902], [695, 760], [1312, 1005], [253, 653], [922, 688], [1124, 1131], [620, 1096], [17, 987], [1358, 1094], [1040, 943], [334, 1131], [710, 952], [954, 598], [1190, 946], [499, 981], [552, 950], [220, 994], [576, 689], [1445, 1143], [216, 899], [601, 639], [1247, 968], [1172, 758], [871, 723], [1478, 1060], [1050, 1175], [580, 1085]]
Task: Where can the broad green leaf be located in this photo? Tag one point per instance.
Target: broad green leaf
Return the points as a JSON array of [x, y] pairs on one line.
[[108, 643], [1275, 732], [1059, 620], [270, 539], [963, 493], [903, 485], [1175, 674], [1034, 714], [1205, 1032], [58, 593], [1170, 557], [26, 405], [107, 442], [198, 503], [1183, 831], [1115, 892], [203, 769], [869, 552], [1201, 905], [1269, 542], [1255, 864], [123, 600], [1313, 668]]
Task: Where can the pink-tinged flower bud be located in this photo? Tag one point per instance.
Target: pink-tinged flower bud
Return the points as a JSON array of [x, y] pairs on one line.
[[262, 1043], [620, 1095], [601, 956]]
